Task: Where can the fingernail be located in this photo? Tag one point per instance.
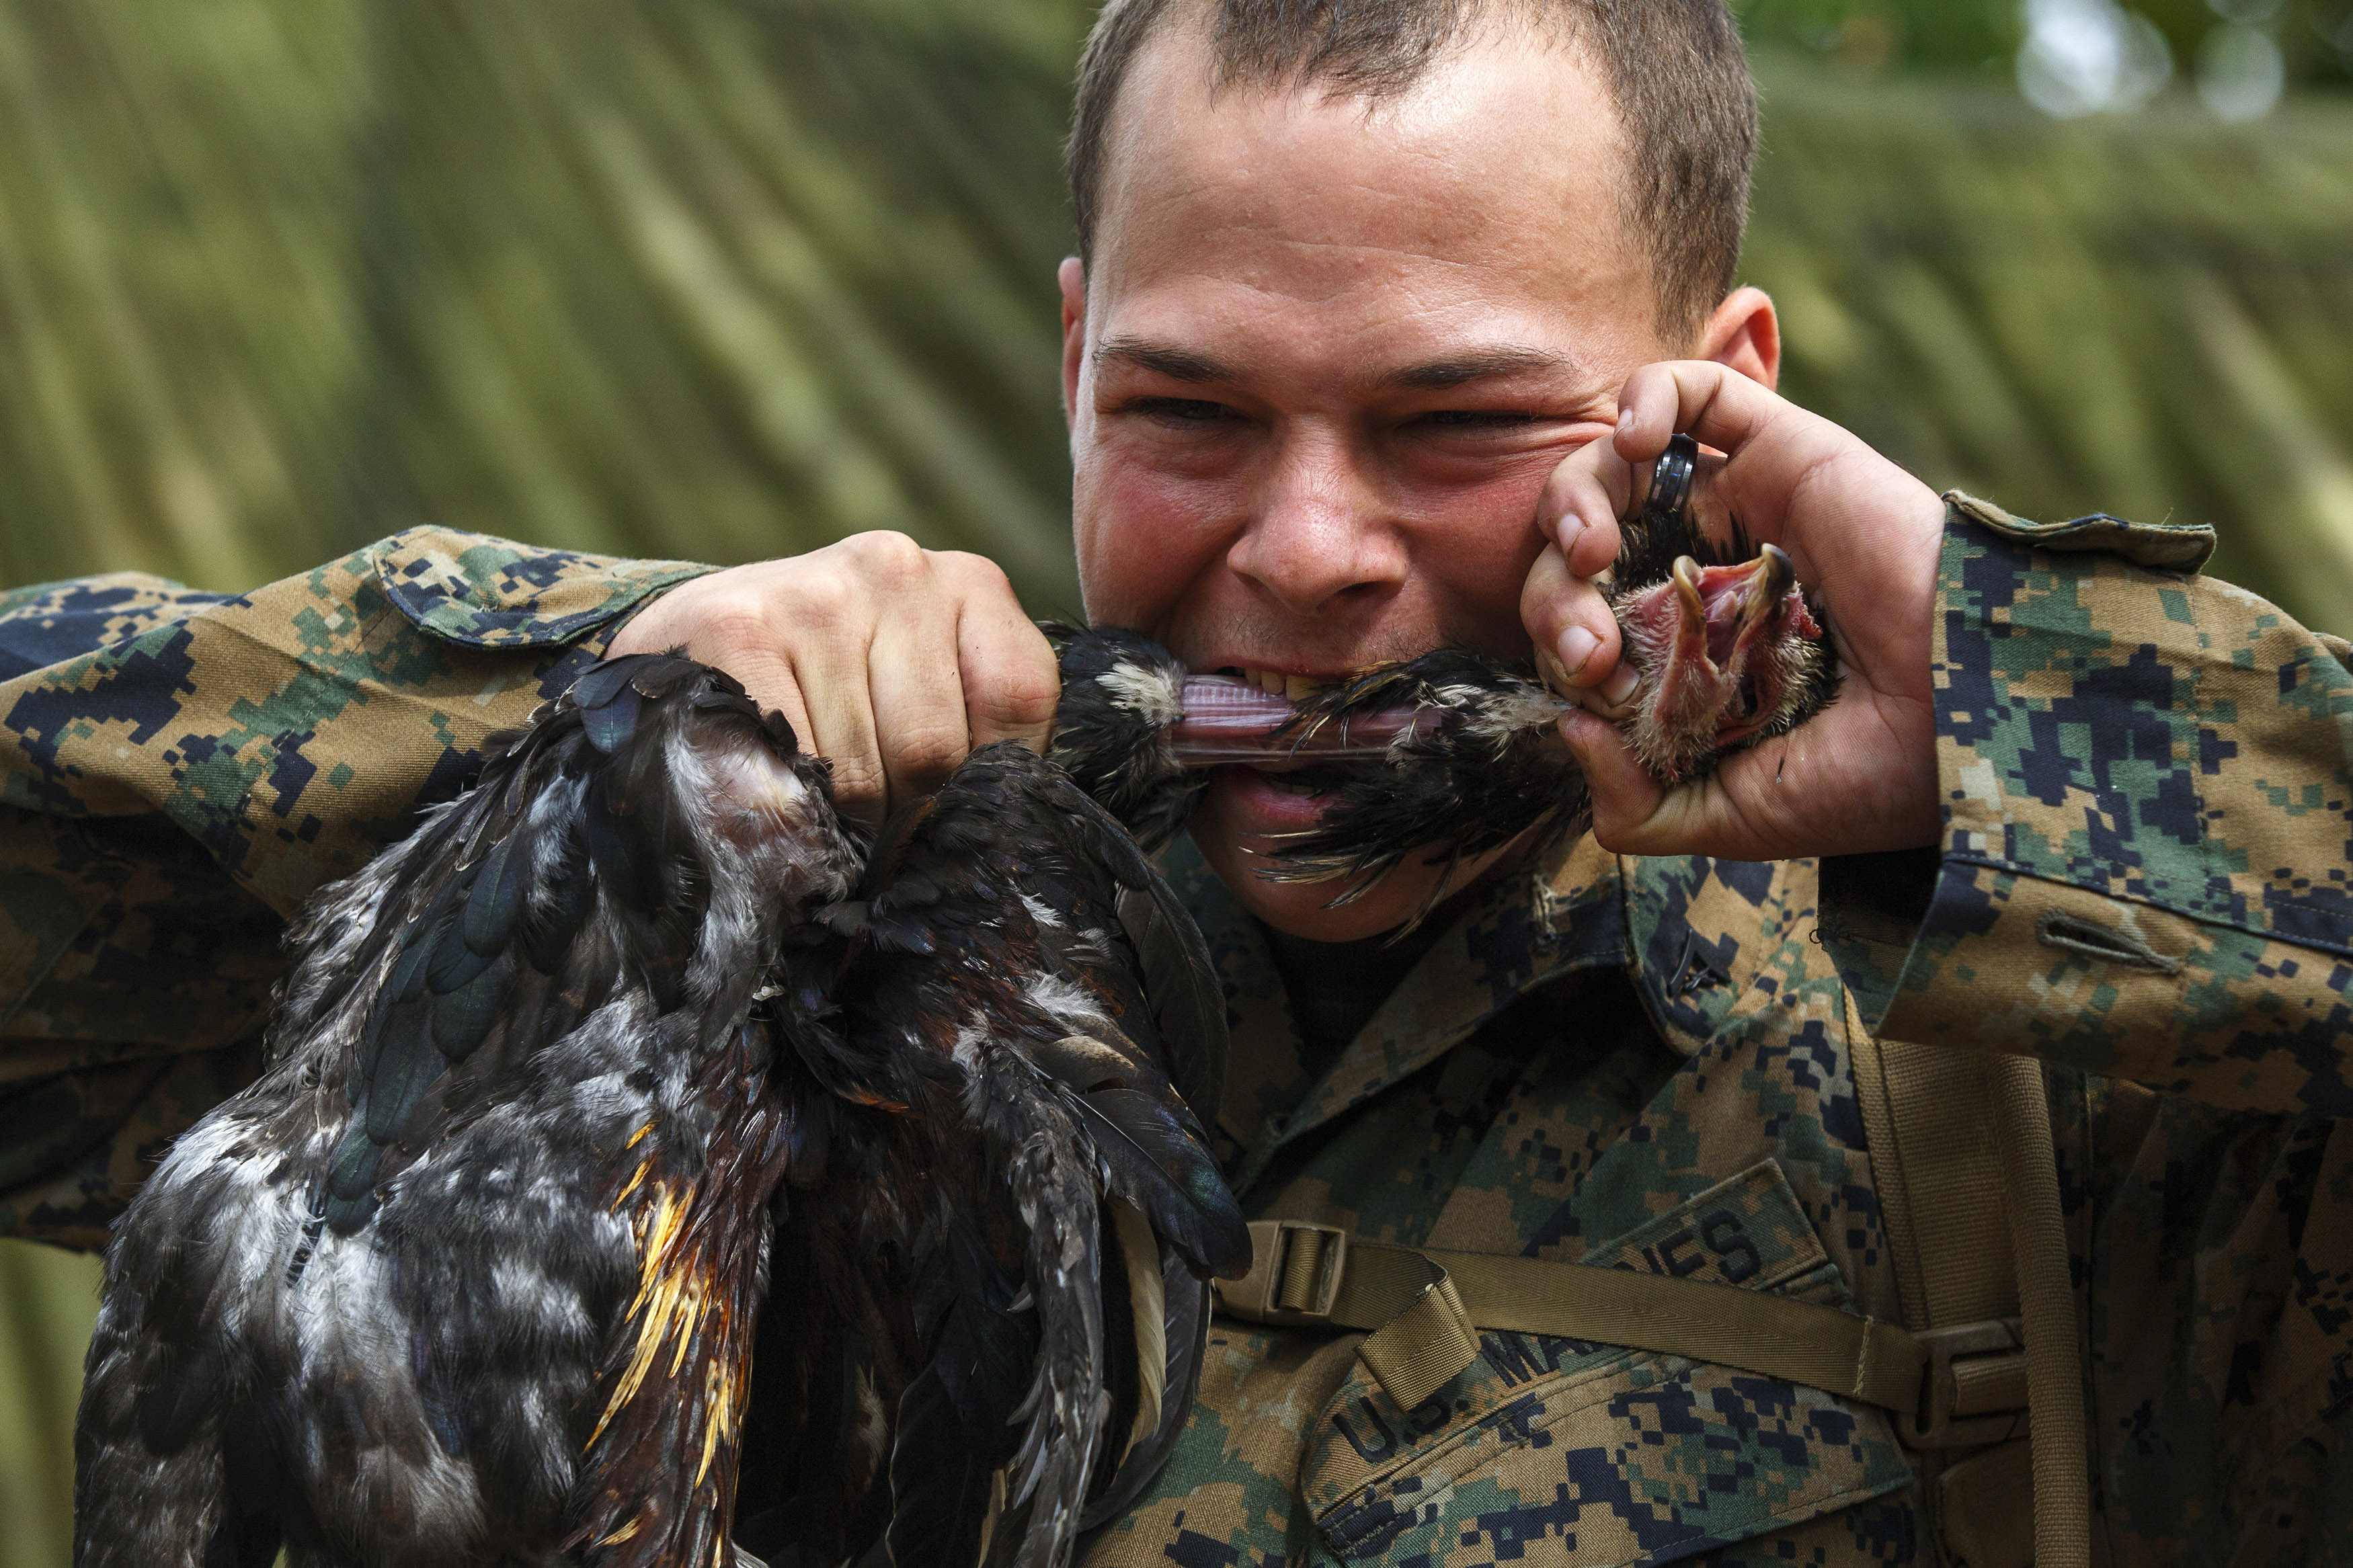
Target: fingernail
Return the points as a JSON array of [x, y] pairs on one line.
[[1621, 684], [1625, 420], [1576, 645], [1565, 530]]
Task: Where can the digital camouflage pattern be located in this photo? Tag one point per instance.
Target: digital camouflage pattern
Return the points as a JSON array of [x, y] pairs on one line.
[[178, 770], [1645, 1062]]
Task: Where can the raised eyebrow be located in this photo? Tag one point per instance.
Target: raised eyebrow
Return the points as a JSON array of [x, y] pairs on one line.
[[1163, 359], [1456, 370]]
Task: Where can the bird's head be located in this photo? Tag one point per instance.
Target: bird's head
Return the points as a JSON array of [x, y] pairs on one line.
[[1728, 655], [710, 829]]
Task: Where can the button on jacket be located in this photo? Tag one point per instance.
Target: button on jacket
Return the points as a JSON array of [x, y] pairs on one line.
[[2145, 880]]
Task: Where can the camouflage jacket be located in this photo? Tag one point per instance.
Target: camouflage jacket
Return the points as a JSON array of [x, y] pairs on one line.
[[1653, 1063]]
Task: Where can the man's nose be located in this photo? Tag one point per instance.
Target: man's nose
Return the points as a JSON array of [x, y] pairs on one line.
[[1317, 531]]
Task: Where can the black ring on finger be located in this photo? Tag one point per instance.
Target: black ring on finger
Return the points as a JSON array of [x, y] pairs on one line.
[[1671, 479]]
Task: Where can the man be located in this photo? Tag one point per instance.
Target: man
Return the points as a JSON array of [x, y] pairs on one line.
[[1380, 314]]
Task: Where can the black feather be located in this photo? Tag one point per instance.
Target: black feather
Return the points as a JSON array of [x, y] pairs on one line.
[[495, 903], [1116, 751], [623, 863], [496, 1118], [405, 1075], [463, 1017], [399, 996], [1185, 1324], [1123, 1379], [609, 725], [406, 981], [601, 683], [350, 1183], [1160, 1165], [453, 963], [192, 1386], [552, 923], [1180, 982], [940, 1477], [1456, 789]]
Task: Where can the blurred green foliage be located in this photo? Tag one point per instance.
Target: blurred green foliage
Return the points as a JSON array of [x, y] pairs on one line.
[[725, 280], [1912, 36], [2151, 317], [1981, 38], [47, 1300]]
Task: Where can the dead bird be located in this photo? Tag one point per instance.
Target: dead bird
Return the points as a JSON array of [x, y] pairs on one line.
[[475, 1273], [468, 1274]]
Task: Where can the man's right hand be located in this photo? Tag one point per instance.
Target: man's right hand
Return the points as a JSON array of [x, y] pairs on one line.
[[892, 661]]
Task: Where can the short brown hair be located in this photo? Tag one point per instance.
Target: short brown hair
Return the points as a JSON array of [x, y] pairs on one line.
[[1675, 69]]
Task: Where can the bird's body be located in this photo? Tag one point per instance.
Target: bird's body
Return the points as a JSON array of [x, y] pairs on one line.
[[469, 1275], [474, 1274]]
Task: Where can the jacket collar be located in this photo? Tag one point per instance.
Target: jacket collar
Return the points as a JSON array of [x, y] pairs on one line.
[[1695, 935]]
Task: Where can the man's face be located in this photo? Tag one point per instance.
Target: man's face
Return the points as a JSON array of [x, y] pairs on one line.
[[1318, 371]]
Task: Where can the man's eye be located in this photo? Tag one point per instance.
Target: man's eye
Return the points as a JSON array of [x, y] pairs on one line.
[[1473, 420], [1182, 410]]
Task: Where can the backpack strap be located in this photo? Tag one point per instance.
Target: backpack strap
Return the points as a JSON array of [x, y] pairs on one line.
[[1963, 1160], [2054, 1365], [1425, 1306]]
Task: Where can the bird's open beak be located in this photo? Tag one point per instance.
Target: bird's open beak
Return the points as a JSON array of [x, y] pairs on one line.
[[1770, 576], [1691, 631], [1722, 609], [1770, 596]]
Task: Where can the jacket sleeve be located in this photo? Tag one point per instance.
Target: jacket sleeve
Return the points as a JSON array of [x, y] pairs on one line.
[[2146, 869], [179, 770]]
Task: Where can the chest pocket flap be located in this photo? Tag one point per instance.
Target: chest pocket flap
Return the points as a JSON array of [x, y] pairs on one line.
[[1553, 1451]]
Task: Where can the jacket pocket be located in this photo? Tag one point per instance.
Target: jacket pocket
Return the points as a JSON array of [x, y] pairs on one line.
[[1551, 1451], [481, 592]]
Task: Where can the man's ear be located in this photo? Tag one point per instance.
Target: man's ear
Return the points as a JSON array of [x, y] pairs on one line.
[[1073, 277], [1744, 334]]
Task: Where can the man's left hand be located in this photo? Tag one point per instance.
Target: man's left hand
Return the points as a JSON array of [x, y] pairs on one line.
[[1864, 536]]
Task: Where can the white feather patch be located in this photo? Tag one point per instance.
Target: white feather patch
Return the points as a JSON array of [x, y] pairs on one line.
[[1149, 694], [1063, 1001]]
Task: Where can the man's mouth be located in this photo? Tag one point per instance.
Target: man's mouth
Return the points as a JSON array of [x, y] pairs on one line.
[[1291, 774], [1278, 683], [1250, 715]]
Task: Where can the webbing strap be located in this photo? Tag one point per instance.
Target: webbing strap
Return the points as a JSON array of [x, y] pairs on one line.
[[1424, 1308], [1927, 1119], [2054, 1368]]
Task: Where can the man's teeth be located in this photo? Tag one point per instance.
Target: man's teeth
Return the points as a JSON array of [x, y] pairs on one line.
[[1291, 688]]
